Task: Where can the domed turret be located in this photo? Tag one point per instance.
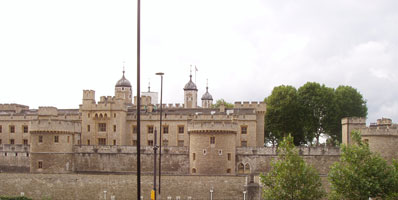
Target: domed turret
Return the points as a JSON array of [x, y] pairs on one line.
[[190, 94], [123, 82], [190, 85], [123, 90], [207, 99]]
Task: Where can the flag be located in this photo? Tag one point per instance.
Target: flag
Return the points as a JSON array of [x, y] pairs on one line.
[[196, 69]]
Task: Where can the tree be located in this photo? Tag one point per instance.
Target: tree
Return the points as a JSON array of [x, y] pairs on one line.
[[222, 101], [349, 103], [318, 106], [290, 177], [283, 114], [361, 174]]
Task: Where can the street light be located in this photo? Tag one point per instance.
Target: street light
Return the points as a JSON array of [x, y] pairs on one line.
[[160, 132], [244, 195], [211, 193], [155, 147]]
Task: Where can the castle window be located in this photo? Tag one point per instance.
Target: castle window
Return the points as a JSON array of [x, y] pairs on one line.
[[56, 139], [219, 152], [243, 143], [88, 128], [135, 143], [165, 129], [25, 129], [114, 115], [12, 129], [134, 129], [193, 170], [12, 141], [114, 128], [212, 140], [1, 142], [204, 151], [229, 156], [180, 143], [228, 171], [247, 168], [40, 164], [68, 138], [150, 142], [114, 142], [102, 127], [243, 129], [181, 129], [1, 128], [88, 115], [165, 143], [88, 142], [150, 129], [40, 138], [241, 168], [193, 156], [25, 142], [101, 141]]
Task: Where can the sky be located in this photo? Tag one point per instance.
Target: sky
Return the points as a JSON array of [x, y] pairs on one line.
[[51, 50]]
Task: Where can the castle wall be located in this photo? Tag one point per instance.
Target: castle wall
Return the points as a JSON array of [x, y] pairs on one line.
[[83, 186], [124, 159], [14, 158]]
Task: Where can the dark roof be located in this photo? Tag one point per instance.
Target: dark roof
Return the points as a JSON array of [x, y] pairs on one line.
[[207, 95], [123, 82], [190, 85]]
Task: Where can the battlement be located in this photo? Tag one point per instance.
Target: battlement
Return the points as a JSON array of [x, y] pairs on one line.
[[14, 148], [354, 120], [106, 149], [106, 100], [54, 126], [17, 108], [48, 111], [304, 151], [230, 127], [259, 106]]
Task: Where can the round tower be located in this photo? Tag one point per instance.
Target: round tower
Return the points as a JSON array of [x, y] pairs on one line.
[[207, 99], [123, 90], [211, 148], [190, 94]]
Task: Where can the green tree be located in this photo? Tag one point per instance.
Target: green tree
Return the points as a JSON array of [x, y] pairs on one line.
[[349, 103], [291, 178], [318, 107], [361, 174], [283, 114], [222, 101]]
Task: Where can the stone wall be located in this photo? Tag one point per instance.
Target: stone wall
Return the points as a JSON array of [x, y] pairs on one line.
[[14, 158], [175, 160], [79, 186]]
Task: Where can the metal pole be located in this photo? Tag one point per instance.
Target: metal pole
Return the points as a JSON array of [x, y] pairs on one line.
[[155, 147], [138, 101], [160, 132]]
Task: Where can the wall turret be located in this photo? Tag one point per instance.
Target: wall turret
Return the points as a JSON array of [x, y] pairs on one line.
[[123, 90], [190, 94]]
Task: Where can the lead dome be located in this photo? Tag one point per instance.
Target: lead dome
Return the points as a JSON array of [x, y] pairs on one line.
[[123, 82]]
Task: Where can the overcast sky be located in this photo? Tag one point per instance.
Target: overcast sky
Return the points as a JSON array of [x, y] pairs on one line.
[[51, 50]]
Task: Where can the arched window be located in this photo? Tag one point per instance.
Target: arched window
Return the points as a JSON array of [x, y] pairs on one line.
[[101, 116], [193, 171], [106, 115], [247, 168], [96, 115], [241, 168]]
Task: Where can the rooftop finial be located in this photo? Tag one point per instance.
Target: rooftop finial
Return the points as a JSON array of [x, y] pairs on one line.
[[190, 73], [207, 84], [123, 68], [149, 86]]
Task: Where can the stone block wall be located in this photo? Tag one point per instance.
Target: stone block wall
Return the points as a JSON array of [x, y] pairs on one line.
[[14, 158]]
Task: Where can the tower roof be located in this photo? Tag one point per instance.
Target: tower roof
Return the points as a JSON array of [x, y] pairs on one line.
[[207, 95], [190, 85], [123, 82]]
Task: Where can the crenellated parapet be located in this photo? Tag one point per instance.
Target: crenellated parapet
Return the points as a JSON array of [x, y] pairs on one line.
[[54, 126], [17, 108], [259, 106], [213, 127]]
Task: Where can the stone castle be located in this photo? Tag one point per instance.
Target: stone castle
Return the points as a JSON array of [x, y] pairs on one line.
[[101, 137]]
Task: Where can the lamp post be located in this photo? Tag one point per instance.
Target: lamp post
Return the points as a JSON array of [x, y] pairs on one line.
[[211, 193], [160, 132], [155, 147], [138, 100], [244, 195]]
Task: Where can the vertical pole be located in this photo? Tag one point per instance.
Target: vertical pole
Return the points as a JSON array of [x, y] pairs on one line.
[[154, 166], [160, 136], [138, 101]]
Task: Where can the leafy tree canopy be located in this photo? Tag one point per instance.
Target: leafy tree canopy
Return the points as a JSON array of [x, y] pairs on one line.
[[361, 174], [290, 177], [222, 101]]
